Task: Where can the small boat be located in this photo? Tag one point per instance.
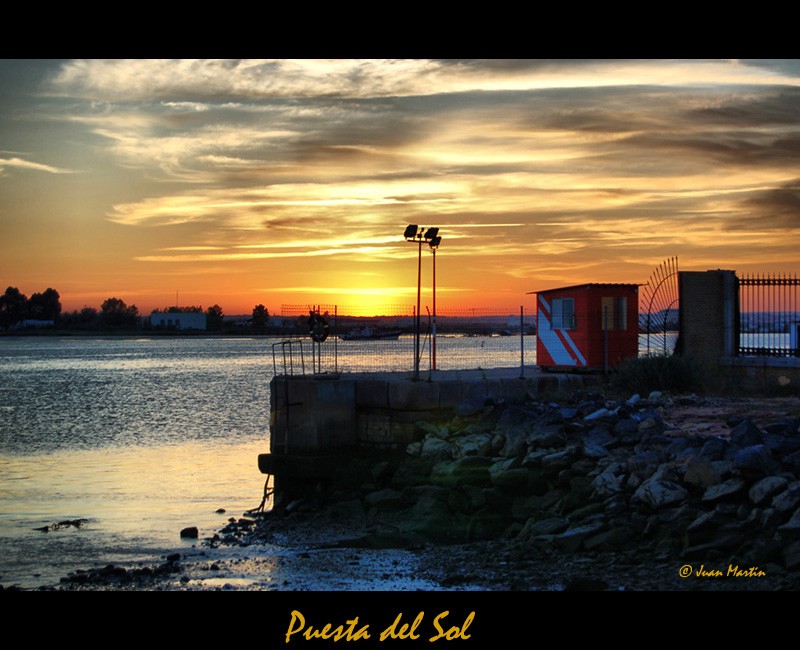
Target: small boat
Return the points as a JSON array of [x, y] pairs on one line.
[[371, 334]]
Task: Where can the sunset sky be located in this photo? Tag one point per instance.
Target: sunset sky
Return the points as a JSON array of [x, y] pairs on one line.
[[292, 181]]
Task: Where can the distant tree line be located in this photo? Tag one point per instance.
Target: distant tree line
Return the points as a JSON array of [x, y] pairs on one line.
[[16, 307], [17, 311]]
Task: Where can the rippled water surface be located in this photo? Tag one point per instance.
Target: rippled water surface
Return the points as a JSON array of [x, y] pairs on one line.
[[139, 437], [142, 437]]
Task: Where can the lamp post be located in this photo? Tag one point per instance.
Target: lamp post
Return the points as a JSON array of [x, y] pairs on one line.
[[413, 233], [433, 241]]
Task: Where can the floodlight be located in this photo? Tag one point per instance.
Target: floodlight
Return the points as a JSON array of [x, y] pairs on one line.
[[431, 233], [411, 231]]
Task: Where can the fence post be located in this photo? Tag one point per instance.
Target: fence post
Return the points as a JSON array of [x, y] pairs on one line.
[[521, 342]]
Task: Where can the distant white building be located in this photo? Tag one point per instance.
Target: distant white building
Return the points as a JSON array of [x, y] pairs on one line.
[[31, 323], [178, 320]]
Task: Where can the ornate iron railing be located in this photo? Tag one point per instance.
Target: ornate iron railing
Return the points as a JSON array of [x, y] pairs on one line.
[[769, 315]]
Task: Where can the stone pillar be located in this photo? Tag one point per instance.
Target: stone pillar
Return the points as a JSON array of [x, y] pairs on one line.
[[709, 309]]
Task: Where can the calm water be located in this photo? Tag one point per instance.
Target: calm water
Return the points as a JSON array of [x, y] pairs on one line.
[[140, 437], [143, 437]]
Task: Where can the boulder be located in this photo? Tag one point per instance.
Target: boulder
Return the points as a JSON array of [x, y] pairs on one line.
[[549, 526], [699, 473], [434, 447], [513, 481], [383, 500], [614, 538], [658, 493], [765, 488], [791, 555], [470, 470], [714, 449], [572, 539], [746, 434], [476, 444], [431, 518], [609, 481], [730, 488], [596, 415], [788, 499], [755, 459], [487, 523], [793, 525]]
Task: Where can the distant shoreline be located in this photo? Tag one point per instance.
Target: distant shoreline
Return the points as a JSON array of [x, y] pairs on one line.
[[135, 333]]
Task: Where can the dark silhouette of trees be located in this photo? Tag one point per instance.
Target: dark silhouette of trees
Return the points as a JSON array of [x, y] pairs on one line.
[[85, 319], [214, 318], [13, 307], [45, 305], [115, 313], [260, 316]]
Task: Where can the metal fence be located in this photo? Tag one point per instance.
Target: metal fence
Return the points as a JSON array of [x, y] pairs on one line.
[[659, 304], [769, 315], [339, 339]]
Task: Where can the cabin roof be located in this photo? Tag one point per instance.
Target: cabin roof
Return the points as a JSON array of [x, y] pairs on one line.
[[588, 285]]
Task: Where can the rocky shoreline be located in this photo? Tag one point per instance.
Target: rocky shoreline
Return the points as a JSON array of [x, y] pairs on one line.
[[585, 493]]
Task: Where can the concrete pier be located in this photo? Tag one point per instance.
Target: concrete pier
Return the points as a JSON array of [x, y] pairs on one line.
[[323, 426]]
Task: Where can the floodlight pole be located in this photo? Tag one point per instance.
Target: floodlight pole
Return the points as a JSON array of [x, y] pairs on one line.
[[433, 331], [420, 235], [416, 332], [413, 233]]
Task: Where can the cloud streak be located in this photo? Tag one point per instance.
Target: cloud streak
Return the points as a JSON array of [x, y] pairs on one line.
[[535, 170]]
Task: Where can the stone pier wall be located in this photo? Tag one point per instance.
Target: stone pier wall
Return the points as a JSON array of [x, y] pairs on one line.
[[313, 414]]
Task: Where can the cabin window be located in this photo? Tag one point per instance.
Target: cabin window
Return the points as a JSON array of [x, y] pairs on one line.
[[614, 313], [563, 310]]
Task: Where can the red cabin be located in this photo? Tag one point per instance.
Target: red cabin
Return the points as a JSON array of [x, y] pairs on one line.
[[587, 326]]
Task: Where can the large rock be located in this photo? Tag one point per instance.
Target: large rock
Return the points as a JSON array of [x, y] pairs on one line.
[[387, 499], [791, 555], [572, 539], [729, 489], [476, 444], [470, 470], [610, 481], [658, 493], [699, 473], [558, 460], [793, 525], [549, 526], [431, 518], [546, 438], [714, 449], [614, 538], [788, 499], [755, 459], [644, 464], [487, 523], [792, 461], [746, 434], [508, 476], [514, 425], [434, 447], [765, 488]]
